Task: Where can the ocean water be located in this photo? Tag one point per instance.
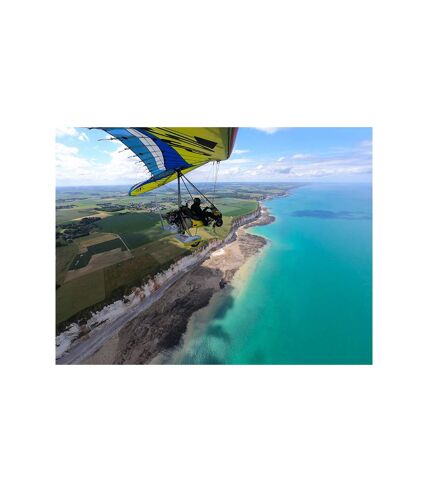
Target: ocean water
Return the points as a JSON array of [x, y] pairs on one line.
[[307, 299]]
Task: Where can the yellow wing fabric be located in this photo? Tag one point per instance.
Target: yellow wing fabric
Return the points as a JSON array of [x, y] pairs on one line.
[[197, 145], [150, 184]]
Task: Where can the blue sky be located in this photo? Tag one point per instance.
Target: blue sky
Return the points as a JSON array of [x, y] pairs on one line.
[[260, 155]]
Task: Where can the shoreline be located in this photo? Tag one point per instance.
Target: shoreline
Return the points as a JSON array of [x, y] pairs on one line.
[[161, 327]]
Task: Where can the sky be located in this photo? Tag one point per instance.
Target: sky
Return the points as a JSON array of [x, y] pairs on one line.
[[86, 157]]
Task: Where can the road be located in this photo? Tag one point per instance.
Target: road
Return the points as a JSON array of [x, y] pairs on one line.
[[85, 348]]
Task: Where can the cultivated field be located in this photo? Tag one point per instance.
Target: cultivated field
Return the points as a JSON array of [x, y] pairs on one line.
[[82, 259], [135, 229], [66, 215], [234, 207]]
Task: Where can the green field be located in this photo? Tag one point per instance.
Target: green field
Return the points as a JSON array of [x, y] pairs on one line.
[[235, 207], [64, 256], [106, 246], [132, 272], [67, 215], [93, 288], [82, 259], [136, 229], [78, 294]]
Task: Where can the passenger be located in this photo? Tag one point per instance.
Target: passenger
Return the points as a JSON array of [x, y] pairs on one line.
[[198, 213]]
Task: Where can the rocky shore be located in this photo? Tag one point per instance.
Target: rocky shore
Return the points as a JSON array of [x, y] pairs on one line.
[[161, 327]]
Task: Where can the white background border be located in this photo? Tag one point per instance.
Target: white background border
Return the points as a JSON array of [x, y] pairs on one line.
[[307, 63]]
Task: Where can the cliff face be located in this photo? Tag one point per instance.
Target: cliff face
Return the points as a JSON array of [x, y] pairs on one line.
[[162, 326]]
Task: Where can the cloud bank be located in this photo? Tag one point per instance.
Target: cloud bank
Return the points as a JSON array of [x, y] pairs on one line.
[[84, 161]]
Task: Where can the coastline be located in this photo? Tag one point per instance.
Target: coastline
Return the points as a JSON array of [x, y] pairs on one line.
[[161, 327]]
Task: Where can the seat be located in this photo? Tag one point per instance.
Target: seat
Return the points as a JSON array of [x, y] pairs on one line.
[[185, 239]]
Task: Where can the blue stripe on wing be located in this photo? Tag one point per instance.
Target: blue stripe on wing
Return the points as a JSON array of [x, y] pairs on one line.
[[172, 158], [137, 147]]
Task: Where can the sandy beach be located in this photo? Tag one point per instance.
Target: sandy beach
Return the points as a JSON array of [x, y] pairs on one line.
[[162, 326]]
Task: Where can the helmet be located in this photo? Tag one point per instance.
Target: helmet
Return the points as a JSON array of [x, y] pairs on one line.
[[197, 200]]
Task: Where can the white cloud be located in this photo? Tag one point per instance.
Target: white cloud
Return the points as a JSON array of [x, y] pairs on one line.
[[69, 166], [332, 167], [309, 167], [241, 160], [230, 171], [240, 151], [66, 131], [72, 168], [322, 172], [366, 147], [62, 149], [268, 130], [301, 156]]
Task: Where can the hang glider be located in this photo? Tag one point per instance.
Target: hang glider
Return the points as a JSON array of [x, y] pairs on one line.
[[170, 153]]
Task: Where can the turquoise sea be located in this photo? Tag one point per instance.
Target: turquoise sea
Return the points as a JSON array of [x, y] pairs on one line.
[[307, 298]]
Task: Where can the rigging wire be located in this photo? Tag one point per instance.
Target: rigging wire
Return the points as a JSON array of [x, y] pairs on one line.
[[199, 191], [188, 191], [211, 173], [158, 210], [180, 215], [216, 168]]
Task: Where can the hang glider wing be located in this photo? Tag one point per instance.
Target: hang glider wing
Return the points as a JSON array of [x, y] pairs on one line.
[[165, 151]]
